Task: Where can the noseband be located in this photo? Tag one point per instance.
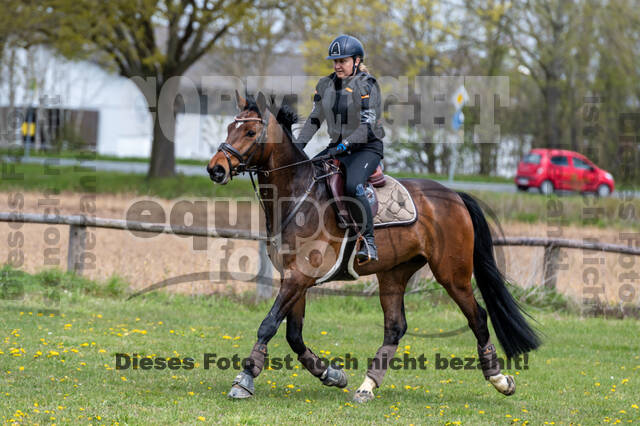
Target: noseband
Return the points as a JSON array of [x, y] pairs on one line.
[[243, 164]]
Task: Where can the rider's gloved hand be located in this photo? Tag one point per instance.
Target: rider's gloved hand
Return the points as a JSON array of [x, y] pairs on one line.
[[341, 148]]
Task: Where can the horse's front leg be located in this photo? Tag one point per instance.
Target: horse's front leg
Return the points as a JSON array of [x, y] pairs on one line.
[[329, 376], [291, 290]]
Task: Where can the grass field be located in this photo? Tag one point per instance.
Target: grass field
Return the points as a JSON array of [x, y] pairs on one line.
[[610, 212], [77, 179], [57, 362], [80, 155]]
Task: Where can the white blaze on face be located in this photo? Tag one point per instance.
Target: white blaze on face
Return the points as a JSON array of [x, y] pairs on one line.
[[238, 124]]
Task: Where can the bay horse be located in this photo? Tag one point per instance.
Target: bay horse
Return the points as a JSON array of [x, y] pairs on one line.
[[451, 234]]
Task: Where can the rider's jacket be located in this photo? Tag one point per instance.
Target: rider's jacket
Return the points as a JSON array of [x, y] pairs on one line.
[[351, 108]]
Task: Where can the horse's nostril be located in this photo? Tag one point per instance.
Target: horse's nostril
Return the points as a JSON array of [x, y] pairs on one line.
[[217, 173]]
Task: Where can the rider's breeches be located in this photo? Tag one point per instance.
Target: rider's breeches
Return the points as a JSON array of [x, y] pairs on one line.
[[359, 166]]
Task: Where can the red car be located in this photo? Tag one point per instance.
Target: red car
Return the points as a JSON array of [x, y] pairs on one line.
[[550, 170]]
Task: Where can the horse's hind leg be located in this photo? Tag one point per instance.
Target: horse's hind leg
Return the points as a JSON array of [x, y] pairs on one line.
[[329, 376], [392, 285], [457, 282]]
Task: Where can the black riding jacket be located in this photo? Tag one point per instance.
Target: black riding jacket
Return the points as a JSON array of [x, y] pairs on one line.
[[352, 110]]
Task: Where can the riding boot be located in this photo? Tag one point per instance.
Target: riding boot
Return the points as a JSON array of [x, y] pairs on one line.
[[363, 216], [368, 251]]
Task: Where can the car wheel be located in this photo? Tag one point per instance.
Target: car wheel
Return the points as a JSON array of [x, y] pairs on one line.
[[523, 188], [546, 187], [603, 190]]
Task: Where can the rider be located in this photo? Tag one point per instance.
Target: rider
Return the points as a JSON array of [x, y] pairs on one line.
[[349, 101]]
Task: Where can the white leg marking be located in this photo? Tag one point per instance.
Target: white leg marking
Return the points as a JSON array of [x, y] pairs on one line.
[[499, 382], [368, 385]]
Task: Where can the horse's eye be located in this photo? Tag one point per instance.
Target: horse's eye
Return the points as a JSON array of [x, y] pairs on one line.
[[251, 133]]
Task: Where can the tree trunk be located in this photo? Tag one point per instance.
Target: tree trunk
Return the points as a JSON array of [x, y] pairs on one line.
[[163, 154], [163, 160], [487, 159], [552, 98]]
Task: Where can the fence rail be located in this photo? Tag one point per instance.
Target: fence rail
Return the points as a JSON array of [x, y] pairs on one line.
[[78, 224]]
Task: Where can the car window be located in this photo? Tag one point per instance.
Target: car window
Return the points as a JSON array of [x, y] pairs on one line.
[[560, 160], [532, 158], [580, 164]]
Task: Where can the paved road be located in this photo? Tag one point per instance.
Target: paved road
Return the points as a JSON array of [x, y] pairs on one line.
[[190, 170]]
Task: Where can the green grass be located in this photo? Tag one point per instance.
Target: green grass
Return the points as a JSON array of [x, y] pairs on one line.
[[556, 211], [34, 177], [519, 207], [57, 366], [456, 178], [88, 155]]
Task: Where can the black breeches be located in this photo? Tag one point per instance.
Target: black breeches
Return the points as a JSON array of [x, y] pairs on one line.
[[359, 166]]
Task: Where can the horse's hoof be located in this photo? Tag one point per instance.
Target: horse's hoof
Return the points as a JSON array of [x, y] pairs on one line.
[[238, 392], [512, 386], [363, 396], [242, 386], [506, 385], [335, 377]]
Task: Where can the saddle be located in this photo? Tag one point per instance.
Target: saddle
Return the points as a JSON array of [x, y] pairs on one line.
[[336, 187], [391, 203]]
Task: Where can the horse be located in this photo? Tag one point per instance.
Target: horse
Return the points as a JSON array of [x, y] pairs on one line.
[[451, 235]]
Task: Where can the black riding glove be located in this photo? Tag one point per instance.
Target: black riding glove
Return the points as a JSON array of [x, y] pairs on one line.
[[341, 149]]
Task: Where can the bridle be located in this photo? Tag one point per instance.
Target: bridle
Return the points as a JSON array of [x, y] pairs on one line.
[[229, 151]]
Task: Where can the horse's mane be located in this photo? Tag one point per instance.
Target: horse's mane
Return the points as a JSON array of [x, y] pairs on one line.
[[285, 115]]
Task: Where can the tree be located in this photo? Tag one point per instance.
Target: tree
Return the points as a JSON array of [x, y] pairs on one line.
[[544, 34], [401, 39], [484, 33], [149, 41]]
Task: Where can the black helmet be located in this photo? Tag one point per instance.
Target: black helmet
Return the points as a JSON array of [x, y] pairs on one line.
[[345, 46]]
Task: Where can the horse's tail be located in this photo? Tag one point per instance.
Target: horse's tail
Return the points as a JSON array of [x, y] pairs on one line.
[[514, 333]]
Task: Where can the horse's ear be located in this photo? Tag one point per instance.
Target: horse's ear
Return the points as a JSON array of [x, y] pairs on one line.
[[242, 102], [261, 101]]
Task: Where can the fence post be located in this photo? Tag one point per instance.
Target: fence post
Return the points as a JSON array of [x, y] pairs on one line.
[[264, 283], [550, 265], [77, 240]]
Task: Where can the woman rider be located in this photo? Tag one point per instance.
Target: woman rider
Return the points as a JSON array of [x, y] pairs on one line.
[[349, 100]]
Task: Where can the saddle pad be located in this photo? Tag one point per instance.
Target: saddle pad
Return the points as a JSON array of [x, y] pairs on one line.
[[343, 269], [395, 205]]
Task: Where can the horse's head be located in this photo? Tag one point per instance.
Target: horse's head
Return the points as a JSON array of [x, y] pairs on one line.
[[246, 146]]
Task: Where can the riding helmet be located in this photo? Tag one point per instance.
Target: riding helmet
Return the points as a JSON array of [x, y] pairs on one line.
[[345, 46]]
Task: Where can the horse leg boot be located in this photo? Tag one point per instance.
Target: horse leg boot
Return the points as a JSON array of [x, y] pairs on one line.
[[290, 292], [477, 318], [395, 325], [329, 376]]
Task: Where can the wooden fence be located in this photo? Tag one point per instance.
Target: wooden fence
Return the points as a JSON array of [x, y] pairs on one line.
[[78, 230]]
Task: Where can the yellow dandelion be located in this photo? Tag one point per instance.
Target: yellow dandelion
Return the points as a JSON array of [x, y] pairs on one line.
[[323, 333], [124, 379], [202, 419]]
